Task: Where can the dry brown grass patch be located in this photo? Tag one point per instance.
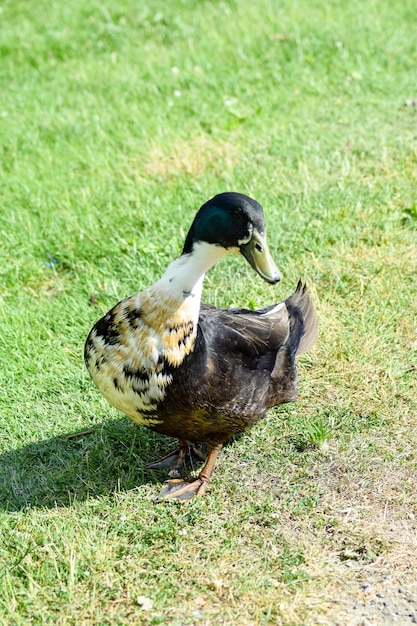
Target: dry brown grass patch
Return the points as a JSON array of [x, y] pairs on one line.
[[193, 157], [360, 544]]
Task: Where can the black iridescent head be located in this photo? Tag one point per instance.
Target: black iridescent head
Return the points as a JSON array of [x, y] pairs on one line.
[[235, 222]]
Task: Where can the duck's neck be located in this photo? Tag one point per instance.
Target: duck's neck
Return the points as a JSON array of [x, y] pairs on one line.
[[184, 277], [175, 299]]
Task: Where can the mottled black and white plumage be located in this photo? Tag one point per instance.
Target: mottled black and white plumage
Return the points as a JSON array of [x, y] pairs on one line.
[[192, 371]]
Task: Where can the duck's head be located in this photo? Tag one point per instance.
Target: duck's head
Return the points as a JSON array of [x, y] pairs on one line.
[[236, 223]]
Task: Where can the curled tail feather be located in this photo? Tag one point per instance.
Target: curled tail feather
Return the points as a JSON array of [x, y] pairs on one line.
[[300, 305], [303, 333]]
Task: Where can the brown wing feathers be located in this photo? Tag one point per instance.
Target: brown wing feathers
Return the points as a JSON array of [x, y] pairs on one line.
[[258, 335]]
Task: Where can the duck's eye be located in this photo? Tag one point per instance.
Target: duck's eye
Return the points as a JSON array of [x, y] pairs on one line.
[[258, 247]]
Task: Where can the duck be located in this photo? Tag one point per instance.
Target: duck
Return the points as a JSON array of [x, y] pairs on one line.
[[194, 372]]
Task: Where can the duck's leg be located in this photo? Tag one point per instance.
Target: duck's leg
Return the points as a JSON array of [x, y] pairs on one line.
[[176, 459], [186, 489]]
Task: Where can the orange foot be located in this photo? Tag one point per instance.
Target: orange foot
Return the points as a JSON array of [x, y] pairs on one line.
[[182, 489], [187, 489]]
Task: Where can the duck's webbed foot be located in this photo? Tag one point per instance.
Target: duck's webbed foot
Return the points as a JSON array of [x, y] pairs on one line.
[[175, 460], [184, 489], [187, 489]]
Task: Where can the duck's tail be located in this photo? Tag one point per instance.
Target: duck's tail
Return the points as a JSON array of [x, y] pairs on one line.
[[303, 333], [303, 320]]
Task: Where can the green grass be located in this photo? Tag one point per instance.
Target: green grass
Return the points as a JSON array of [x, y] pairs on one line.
[[118, 120]]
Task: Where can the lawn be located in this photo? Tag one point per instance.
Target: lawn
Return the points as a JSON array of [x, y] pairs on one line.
[[117, 121]]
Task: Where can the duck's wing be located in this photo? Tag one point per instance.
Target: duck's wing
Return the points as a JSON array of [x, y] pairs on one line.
[[250, 337], [254, 337]]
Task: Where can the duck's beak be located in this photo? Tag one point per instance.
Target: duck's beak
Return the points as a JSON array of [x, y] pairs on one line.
[[257, 254]]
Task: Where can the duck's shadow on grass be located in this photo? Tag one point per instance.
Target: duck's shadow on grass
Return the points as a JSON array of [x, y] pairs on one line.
[[58, 471]]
